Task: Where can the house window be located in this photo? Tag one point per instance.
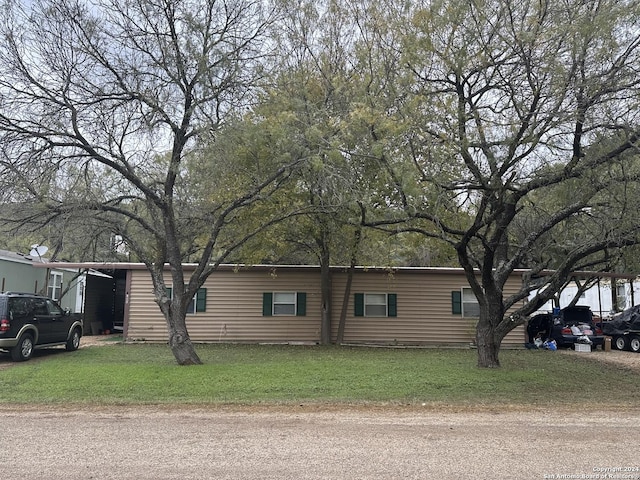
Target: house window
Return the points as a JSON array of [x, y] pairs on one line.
[[284, 303], [470, 307], [376, 304], [54, 290], [465, 303], [198, 302]]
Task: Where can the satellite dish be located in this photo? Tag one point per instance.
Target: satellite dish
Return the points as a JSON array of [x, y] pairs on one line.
[[38, 250]]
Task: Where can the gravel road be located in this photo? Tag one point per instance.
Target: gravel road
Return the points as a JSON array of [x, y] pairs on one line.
[[311, 443]]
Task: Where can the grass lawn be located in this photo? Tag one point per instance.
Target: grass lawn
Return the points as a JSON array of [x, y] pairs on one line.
[[138, 374]]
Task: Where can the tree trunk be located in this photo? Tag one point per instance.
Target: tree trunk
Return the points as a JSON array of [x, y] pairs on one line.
[[180, 342], [345, 303], [175, 316], [357, 237], [488, 347], [325, 287], [488, 336]]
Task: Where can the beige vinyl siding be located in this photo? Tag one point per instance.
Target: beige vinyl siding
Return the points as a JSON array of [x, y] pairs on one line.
[[233, 310], [424, 309]]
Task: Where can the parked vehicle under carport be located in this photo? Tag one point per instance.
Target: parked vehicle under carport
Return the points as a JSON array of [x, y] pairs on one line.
[[570, 326]]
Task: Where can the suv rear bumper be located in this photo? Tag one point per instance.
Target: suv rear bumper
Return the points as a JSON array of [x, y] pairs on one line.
[[8, 342]]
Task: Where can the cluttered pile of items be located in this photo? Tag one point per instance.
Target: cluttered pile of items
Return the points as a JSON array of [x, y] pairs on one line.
[[540, 344], [568, 327]]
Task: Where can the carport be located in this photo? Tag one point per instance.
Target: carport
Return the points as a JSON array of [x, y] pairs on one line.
[[105, 295]]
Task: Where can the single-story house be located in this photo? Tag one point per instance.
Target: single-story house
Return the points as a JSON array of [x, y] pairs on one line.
[[282, 304]]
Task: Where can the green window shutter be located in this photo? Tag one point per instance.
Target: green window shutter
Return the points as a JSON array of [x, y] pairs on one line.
[[201, 300], [169, 291], [456, 302], [392, 307], [358, 299], [267, 304], [301, 304]]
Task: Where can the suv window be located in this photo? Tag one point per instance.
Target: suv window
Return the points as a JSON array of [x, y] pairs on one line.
[[19, 307], [53, 308], [40, 307]]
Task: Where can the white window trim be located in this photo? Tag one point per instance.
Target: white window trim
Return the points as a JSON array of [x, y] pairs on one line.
[[54, 290], [464, 314], [368, 304], [191, 309], [294, 304]]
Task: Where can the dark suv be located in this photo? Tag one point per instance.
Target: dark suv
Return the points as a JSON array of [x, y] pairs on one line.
[[29, 321]]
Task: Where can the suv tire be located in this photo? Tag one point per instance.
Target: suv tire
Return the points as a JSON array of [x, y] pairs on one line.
[[24, 349], [74, 341]]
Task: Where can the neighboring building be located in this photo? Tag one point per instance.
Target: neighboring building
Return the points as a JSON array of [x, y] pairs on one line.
[[17, 274], [282, 304], [600, 298]]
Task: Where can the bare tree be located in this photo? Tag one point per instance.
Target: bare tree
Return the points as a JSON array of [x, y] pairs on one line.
[[510, 102], [102, 107]]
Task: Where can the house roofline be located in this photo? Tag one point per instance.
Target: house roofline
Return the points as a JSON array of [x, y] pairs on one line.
[[360, 268], [238, 266], [17, 257]]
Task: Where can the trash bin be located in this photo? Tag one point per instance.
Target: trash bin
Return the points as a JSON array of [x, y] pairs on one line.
[[607, 344]]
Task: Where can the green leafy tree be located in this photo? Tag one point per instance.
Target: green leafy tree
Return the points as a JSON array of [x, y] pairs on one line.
[[310, 100]]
